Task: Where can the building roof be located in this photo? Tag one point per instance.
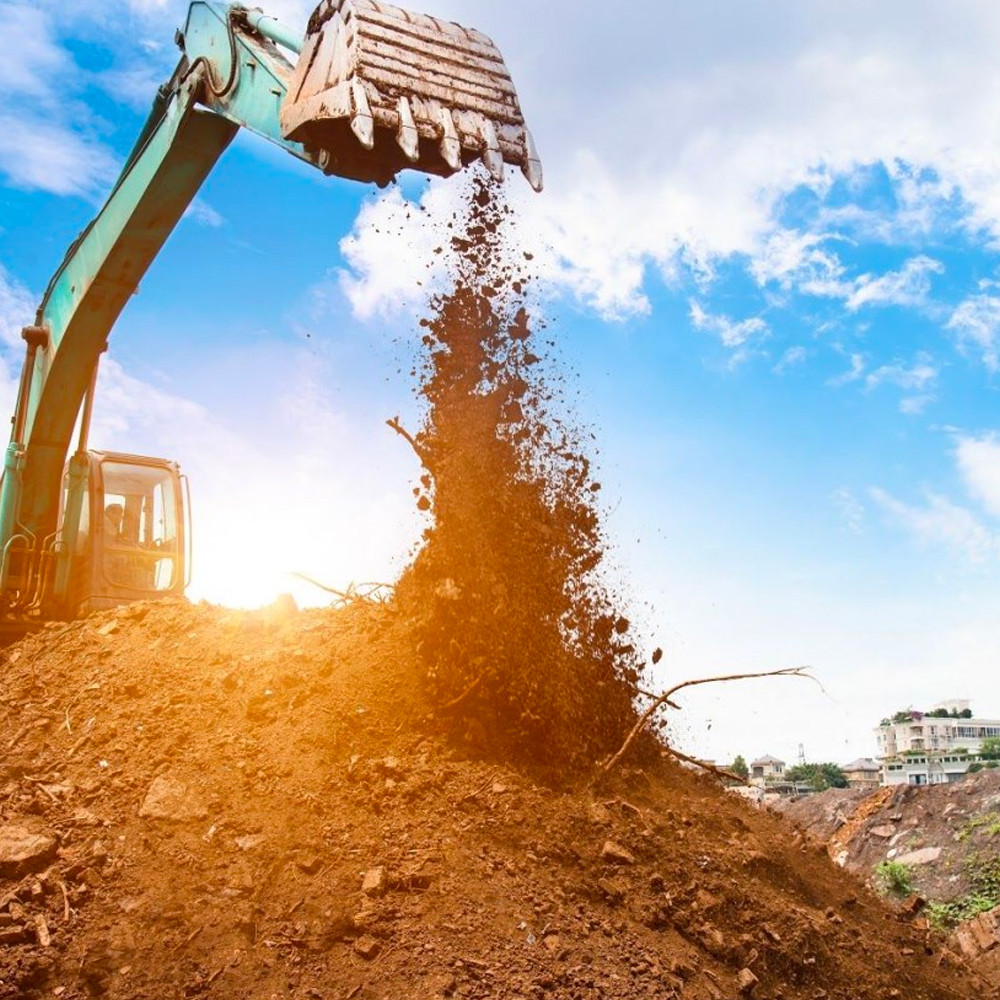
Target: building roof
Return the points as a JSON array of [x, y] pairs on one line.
[[861, 764], [767, 759]]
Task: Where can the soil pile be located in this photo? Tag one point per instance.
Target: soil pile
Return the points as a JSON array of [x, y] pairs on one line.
[[940, 833], [512, 622], [197, 802]]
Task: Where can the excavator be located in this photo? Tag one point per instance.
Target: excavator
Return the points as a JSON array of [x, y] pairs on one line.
[[370, 91]]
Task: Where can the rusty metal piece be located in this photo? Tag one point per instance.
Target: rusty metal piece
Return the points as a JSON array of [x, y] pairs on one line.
[[416, 91]]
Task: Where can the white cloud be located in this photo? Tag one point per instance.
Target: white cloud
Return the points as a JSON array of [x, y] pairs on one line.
[[734, 334], [39, 155], [792, 358], [916, 378], [977, 323], [912, 406], [201, 212], [941, 522], [978, 461], [32, 57], [796, 259], [851, 509], [908, 287], [395, 252], [17, 310], [41, 147], [686, 152], [856, 371]]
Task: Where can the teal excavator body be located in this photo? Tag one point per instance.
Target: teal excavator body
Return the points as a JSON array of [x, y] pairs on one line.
[[369, 91]]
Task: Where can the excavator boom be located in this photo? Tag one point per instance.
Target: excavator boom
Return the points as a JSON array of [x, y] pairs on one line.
[[370, 91]]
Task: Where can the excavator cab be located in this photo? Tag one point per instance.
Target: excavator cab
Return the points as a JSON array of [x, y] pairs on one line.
[[124, 531]]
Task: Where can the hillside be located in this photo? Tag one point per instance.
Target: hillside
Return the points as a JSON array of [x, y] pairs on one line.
[[200, 802], [938, 842]]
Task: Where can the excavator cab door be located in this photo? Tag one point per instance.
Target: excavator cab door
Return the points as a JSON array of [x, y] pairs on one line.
[[128, 540]]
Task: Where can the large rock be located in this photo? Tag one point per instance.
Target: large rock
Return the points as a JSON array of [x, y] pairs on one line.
[[169, 799], [925, 856], [22, 851]]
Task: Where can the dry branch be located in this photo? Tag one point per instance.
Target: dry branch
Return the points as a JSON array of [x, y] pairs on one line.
[[719, 772], [354, 592], [665, 699], [464, 696], [409, 439]]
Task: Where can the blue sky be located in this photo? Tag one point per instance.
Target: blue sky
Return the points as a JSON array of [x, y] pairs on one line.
[[768, 250]]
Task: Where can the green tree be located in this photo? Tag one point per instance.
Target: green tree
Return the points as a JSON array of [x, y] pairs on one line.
[[739, 767], [820, 776], [990, 749]]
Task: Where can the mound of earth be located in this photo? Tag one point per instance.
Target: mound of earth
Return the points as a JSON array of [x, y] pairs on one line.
[[200, 802], [932, 829], [945, 840]]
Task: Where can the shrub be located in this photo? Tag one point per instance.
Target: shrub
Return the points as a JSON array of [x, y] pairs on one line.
[[894, 878]]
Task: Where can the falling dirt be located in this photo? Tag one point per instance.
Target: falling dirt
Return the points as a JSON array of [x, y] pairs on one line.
[[400, 800], [514, 627]]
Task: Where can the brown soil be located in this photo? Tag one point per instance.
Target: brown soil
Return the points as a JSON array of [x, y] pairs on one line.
[[513, 622], [961, 820], [305, 760]]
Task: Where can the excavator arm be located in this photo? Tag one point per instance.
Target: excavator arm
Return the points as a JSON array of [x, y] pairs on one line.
[[370, 91]]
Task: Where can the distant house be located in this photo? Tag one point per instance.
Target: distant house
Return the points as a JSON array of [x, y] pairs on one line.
[[766, 770], [863, 773], [932, 748]]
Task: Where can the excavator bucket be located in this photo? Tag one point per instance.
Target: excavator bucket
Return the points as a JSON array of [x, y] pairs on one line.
[[378, 90]]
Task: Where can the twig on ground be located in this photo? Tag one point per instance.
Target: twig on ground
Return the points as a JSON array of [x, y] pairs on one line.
[[664, 699], [719, 772], [354, 592]]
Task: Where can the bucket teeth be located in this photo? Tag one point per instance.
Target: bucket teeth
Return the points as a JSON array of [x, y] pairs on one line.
[[492, 156], [408, 137], [362, 122], [378, 90], [451, 145], [532, 165]]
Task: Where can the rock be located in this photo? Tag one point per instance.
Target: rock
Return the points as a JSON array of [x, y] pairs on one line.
[[374, 883], [886, 831], [747, 981], [924, 856], [367, 947], [612, 893], [168, 799], [22, 851], [310, 865], [109, 629], [683, 970], [615, 854], [13, 935], [391, 766], [250, 841]]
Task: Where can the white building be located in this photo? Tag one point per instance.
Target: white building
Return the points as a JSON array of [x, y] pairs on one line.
[[766, 770], [932, 747]]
